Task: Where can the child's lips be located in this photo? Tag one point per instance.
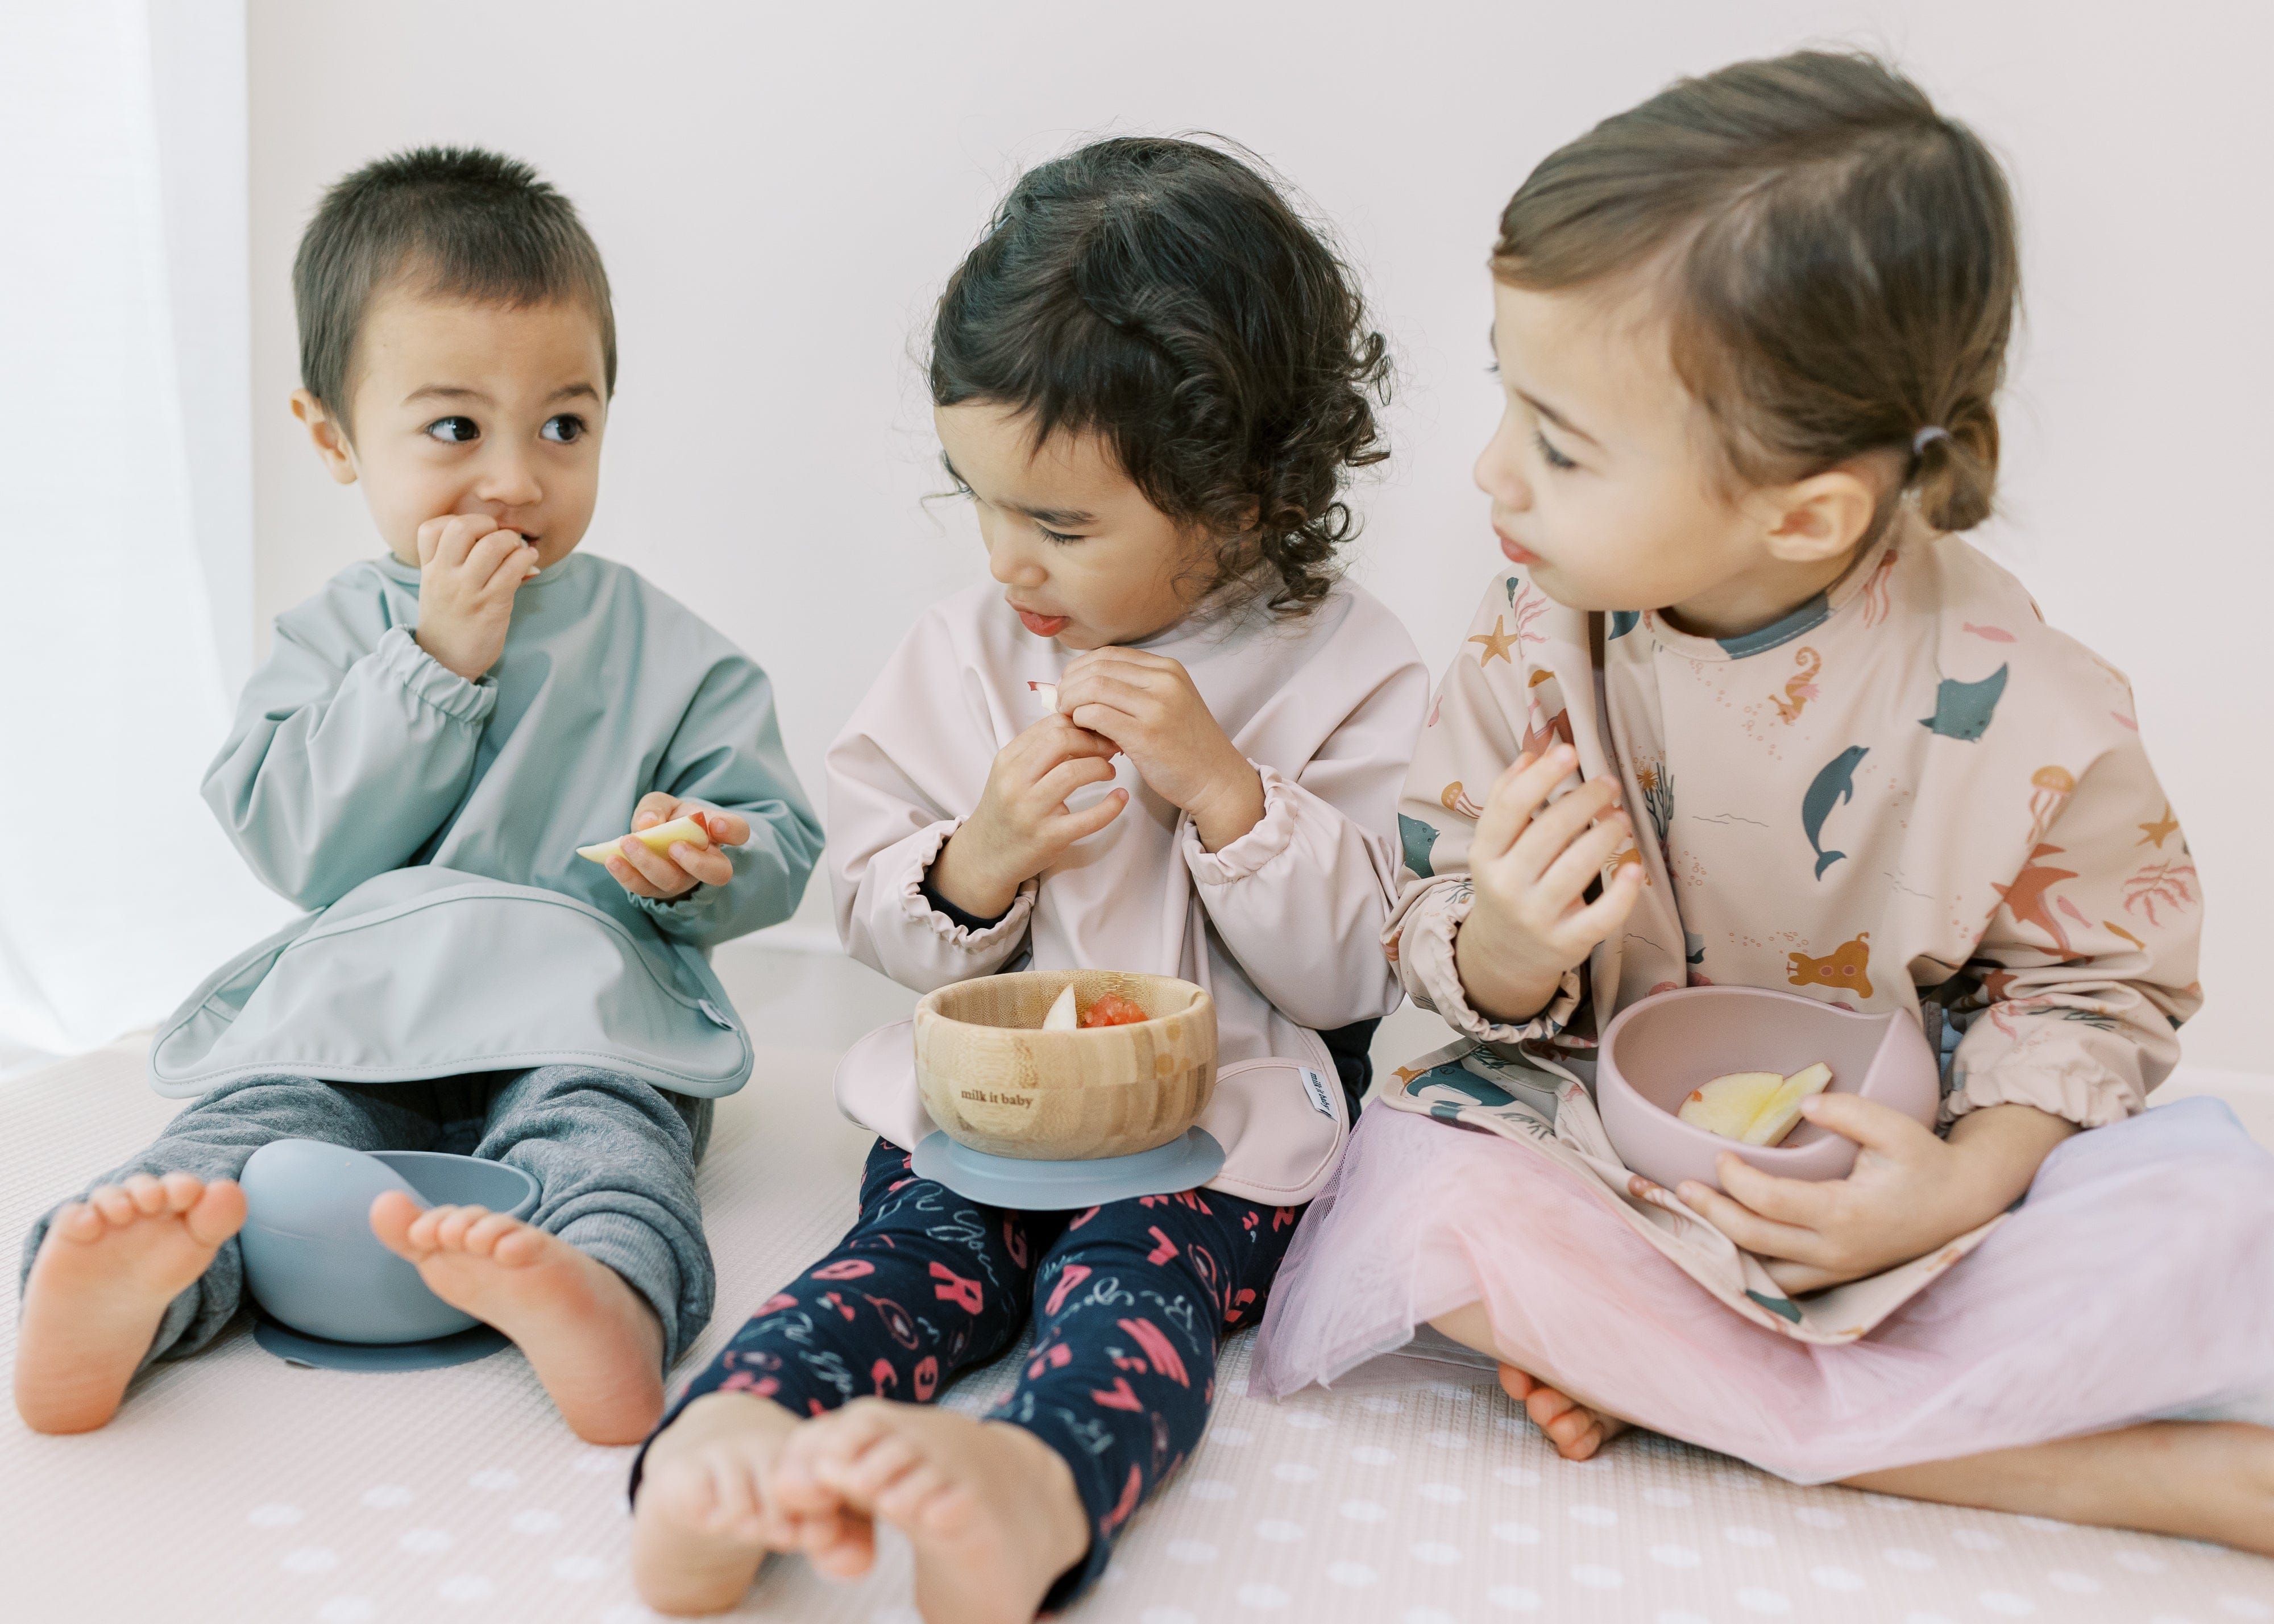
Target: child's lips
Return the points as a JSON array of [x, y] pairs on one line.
[[1516, 551], [1042, 625]]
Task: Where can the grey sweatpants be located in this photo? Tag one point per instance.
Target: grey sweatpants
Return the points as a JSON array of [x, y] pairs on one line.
[[614, 1159]]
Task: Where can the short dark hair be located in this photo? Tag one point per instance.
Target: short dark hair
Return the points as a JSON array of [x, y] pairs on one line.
[[1839, 260], [465, 223], [1164, 295]]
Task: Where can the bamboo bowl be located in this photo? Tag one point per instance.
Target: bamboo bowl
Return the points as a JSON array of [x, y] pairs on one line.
[[995, 1082]]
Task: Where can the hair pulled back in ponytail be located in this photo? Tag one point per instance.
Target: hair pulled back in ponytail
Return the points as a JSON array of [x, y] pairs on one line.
[[1162, 295], [1838, 260]]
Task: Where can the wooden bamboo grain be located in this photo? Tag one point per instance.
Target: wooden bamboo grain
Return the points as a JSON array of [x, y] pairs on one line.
[[993, 1080]]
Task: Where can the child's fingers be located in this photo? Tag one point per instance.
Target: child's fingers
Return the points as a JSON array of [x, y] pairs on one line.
[[1577, 935], [1073, 826], [657, 869], [654, 808], [1565, 880], [1802, 1203], [430, 538], [725, 828], [1748, 1227], [1555, 828], [496, 560], [623, 873], [1052, 788], [1516, 795], [707, 864], [460, 531], [1870, 1125]]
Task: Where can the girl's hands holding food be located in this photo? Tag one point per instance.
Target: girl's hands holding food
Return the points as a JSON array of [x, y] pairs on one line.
[[1021, 825], [661, 876], [1911, 1191], [1530, 864], [1147, 705], [469, 570]]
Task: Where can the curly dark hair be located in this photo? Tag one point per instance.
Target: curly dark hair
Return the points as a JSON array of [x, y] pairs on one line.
[[1162, 295]]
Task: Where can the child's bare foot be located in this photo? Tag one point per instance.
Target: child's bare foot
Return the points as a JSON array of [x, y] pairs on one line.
[[989, 1508], [593, 1343], [1576, 1431], [702, 1523], [100, 1285], [2198, 1479]]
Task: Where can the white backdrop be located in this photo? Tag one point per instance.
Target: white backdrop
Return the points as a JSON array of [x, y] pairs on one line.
[[780, 190], [125, 487]]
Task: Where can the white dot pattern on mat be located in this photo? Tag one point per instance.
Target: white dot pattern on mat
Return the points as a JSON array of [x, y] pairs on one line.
[[1838, 1578], [1817, 1516], [2245, 1607], [1598, 1578], [1436, 1553], [2074, 1582], [1365, 1511], [387, 1497], [1674, 1499], [1753, 1599], [1514, 1599], [347, 1610], [1191, 1552], [1296, 1471], [2139, 1562], [426, 1541], [1517, 1533], [1517, 1477], [310, 1559], [274, 1516], [1442, 1494], [579, 1570], [1166, 1615], [1594, 1517], [1682, 1618], [536, 1522], [1211, 1489], [1374, 1455], [1263, 1597], [465, 1587], [1380, 1404], [1427, 1615], [1308, 1421], [1352, 1575], [494, 1480], [1977, 1539], [1750, 1538], [2006, 1604], [1907, 1559], [1279, 1531], [1675, 1556], [1230, 1437]]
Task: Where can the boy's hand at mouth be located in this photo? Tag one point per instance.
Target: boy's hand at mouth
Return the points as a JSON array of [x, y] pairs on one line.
[[1021, 825], [468, 569], [1530, 864], [1147, 705], [660, 876]]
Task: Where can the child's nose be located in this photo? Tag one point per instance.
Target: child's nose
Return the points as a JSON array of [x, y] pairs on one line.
[[1498, 476], [1011, 563], [509, 480]]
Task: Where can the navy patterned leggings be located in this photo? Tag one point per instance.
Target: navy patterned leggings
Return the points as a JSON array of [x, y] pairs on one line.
[[1129, 1303]]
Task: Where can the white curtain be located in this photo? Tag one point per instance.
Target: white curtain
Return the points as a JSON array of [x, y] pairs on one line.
[[125, 536]]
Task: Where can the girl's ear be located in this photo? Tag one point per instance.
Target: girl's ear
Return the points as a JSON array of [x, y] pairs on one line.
[[1822, 517], [330, 435]]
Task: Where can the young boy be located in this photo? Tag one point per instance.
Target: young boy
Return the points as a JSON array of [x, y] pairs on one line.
[[434, 735]]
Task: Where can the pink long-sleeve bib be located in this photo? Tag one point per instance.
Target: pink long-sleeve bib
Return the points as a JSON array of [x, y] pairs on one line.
[[1280, 925]]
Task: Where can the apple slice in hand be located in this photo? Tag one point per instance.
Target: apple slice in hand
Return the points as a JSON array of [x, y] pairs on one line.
[[1754, 1108], [1062, 1016], [659, 839]]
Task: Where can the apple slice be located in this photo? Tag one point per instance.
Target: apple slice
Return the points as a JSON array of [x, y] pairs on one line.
[[1728, 1105], [1062, 1016], [1777, 1118], [659, 839], [1048, 693]]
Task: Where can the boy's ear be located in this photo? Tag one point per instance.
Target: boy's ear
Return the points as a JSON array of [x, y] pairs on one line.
[[328, 434], [1822, 516]]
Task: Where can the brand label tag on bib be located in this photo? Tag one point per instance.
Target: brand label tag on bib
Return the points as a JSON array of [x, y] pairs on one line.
[[1316, 1086]]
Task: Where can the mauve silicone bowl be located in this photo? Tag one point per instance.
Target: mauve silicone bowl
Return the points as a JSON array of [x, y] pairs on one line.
[[311, 1258], [1657, 1051]]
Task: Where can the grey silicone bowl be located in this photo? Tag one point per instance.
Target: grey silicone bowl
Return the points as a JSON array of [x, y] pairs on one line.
[[1656, 1052], [311, 1258]]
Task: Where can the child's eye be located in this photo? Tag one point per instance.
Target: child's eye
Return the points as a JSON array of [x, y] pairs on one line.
[[1051, 534], [453, 431], [566, 429], [1555, 459]]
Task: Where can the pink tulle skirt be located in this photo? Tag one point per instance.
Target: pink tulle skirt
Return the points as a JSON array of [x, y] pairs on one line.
[[2136, 1280]]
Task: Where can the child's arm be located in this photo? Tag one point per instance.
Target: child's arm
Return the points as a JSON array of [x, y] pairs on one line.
[[726, 762], [2083, 992], [351, 746]]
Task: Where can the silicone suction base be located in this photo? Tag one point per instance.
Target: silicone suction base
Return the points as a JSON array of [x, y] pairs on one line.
[[1184, 1163], [460, 1348]]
